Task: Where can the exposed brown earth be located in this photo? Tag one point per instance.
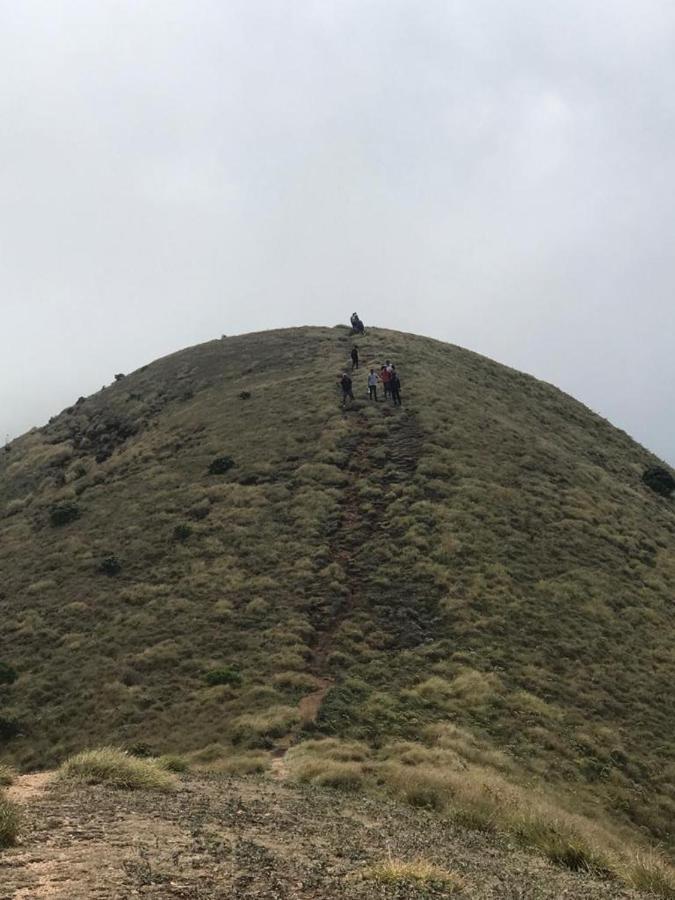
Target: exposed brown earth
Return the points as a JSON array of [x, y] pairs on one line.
[[254, 838]]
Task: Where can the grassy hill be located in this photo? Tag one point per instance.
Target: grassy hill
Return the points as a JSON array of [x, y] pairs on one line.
[[210, 556]]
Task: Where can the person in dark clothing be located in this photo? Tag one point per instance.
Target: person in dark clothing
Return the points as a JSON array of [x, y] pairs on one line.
[[355, 357], [346, 385], [395, 387], [357, 324]]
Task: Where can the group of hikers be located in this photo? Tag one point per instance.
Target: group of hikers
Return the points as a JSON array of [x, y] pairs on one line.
[[387, 374], [357, 325]]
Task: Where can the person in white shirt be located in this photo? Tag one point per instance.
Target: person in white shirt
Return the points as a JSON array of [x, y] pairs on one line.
[[373, 378]]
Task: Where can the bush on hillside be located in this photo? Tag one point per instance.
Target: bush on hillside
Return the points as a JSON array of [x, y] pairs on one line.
[[7, 674], [141, 749], [118, 769], [220, 465], [9, 822], [224, 675], [660, 480], [110, 566], [181, 533], [9, 728], [63, 514], [7, 775]]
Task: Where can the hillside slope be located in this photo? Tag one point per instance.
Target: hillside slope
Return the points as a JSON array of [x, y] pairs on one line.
[[256, 840], [484, 558]]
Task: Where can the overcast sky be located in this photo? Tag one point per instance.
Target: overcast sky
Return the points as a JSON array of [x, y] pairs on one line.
[[495, 173]]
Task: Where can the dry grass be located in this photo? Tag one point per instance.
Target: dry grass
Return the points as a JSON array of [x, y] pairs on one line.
[[9, 822], [418, 873], [116, 768], [7, 775], [484, 799], [252, 763]]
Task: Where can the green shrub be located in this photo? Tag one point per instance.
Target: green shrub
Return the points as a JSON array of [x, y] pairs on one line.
[[110, 565], [220, 465], [9, 728], [224, 675], [63, 514], [182, 532], [7, 674], [118, 769], [9, 822], [7, 775], [141, 749]]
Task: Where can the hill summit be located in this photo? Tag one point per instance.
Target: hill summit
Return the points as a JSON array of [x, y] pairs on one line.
[[213, 556]]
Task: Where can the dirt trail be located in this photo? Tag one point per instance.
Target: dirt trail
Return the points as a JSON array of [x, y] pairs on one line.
[[27, 787], [219, 838]]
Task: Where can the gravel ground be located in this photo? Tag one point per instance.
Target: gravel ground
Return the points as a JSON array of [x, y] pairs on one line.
[[256, 838]]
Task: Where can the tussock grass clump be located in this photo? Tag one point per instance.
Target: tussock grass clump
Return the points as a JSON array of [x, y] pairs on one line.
[[258, 729], [7, 775], [118, 769], [253, 763], [420, 873], [649, 871], [170, 762], [344, 776], [9, 822]]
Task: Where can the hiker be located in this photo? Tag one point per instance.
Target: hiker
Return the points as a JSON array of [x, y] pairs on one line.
[[346, 385], [395, 386], [355, 357], [357, 324], [385, 378], [373, 378]]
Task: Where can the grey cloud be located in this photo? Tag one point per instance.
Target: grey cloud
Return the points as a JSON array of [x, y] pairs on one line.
[[495, 174]]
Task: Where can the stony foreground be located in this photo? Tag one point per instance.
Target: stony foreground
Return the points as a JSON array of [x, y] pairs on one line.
[[255, 838]]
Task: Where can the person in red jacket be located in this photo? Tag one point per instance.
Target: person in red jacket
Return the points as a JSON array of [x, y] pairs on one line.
[[385, 377]]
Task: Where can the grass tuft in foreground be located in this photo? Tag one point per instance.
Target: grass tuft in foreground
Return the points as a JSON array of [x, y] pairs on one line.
[[7, 775], [420, 873], [9, 822], [116, 768], [481, 799]]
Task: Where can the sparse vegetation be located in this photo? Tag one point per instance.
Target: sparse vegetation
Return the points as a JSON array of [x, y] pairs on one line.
[[118, 769]]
